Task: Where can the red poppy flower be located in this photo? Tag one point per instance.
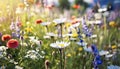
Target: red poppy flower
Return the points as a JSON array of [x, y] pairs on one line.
[[6, 37], [38, 21], [76, 6], [12, 43]]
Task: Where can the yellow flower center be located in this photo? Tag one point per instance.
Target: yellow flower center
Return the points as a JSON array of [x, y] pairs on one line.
[[75, 35], [61, 45], [68, 25]]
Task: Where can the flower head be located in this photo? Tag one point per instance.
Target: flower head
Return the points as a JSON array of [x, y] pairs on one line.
[[76, 6], [38, 21], [60, 44], [12, 43], [101, 53], [88, 49], [32, 54], [6, 37], [59, 21], [18, 67], [114, 47], [112, 24], [45, 23]]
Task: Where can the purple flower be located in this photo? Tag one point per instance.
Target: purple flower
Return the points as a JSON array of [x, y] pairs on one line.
[[94, 49], [0, 34]]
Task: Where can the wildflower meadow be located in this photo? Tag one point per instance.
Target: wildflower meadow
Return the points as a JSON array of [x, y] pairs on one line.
[[59, 34]]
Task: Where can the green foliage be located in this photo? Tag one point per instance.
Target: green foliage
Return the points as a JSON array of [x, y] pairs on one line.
[[81, 3], [64, 4]]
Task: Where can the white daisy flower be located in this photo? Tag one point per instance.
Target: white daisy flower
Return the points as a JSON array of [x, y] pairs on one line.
[[59, 21], [101, 53], [45, 23], [60, 44]]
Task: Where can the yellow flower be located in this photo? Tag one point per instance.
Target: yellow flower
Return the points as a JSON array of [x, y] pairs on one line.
[[112, 24], [80, 49], [69, 55], [28, 30], [25, 37], [114, 47], [67, 25], [74, 35]]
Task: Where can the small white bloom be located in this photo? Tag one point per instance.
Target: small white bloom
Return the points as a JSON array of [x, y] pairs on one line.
[[101, 53], [45, 23], [82, 43], [18, 67], [98, 16], [36, 41], [42, 52], [109, 55], [11, 61], [33, 55], [3, 51], [59, 21], [3, 48], [59, 44]]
